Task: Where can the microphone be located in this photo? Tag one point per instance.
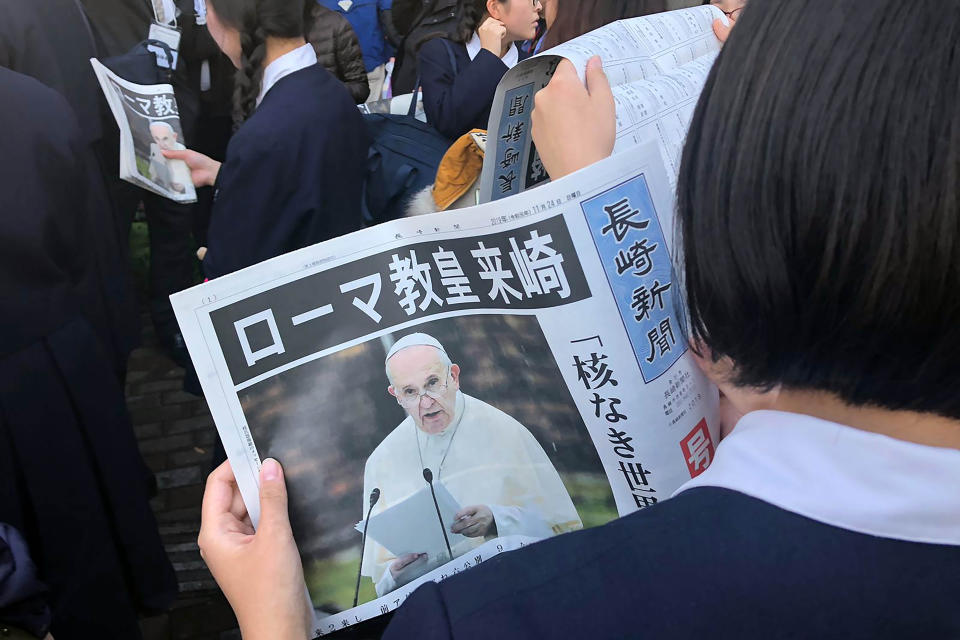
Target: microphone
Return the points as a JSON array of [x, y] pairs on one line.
[[428, 476], [374, 497]]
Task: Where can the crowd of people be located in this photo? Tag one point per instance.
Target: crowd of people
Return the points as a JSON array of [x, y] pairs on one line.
[[818, 208]]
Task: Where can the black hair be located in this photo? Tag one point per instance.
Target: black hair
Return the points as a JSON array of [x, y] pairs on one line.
[[256, 20], [819, 202], [577, 17], [471, 14]]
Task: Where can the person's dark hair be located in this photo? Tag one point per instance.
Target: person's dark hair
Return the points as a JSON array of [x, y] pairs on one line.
[[577, 17], [256, 20], [472, 14], [819, 202]]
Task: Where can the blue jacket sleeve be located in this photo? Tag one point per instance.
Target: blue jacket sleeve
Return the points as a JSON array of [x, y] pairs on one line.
[[456, 103]]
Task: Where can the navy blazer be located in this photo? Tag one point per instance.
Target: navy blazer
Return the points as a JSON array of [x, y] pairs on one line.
[[71, 478], [456, 102], [710, 563], [293, 174]]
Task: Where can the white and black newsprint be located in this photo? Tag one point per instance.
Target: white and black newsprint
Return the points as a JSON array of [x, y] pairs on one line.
[[539, 381], [657, 66], [149, 122]]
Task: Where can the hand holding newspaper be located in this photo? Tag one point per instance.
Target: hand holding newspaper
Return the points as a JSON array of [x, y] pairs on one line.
[[657, 66], [149, 122], [530, 353]]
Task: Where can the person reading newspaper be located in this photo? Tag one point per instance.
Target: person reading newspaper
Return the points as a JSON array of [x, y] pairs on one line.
[[489, 462], [817, 205], [292, 175]]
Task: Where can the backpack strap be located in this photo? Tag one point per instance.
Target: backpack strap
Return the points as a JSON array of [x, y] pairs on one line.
[[452, 57]]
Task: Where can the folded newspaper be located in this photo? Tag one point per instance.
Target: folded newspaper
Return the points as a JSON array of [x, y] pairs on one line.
[[149, 122], [539, 382], [657, 66]]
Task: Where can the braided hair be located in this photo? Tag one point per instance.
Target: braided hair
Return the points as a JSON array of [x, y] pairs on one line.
[[256, 20]]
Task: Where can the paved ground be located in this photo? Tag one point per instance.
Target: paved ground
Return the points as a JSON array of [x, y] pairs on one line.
[[176, 434]]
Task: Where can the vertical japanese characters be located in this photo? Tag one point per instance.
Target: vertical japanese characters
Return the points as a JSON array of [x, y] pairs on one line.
[[636, 259], [597, 377]]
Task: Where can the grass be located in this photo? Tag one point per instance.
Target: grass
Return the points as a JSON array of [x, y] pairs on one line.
[[332, 580]]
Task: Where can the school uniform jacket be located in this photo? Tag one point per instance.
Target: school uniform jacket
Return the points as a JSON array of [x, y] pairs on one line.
[[458, 100], [293, 174], [71, 477], [801, 529]]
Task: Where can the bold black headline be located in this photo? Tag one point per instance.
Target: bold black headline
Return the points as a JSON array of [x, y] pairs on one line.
[[534, 267]]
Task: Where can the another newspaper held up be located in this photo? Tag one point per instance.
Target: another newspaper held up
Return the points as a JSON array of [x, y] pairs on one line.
[[446, 388], [149, 123], [657, 66]]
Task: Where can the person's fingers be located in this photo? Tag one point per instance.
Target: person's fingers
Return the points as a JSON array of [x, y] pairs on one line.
[[406, 560], [218, 494], [274, 518], [565, 72], [598, 85], [721, 30], [177, 155], [238, 508], [465, 512]]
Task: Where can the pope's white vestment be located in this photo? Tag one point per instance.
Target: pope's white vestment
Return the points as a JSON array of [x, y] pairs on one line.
[[484, 457]]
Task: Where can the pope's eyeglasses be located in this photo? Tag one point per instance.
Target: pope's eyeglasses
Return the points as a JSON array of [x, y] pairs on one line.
[[409, 397]]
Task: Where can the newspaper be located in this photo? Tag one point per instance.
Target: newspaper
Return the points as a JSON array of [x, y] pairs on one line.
[[149, 122], [657, 66], [567, 398]]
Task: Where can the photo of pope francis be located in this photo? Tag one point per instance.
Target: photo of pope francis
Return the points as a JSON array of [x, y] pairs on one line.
[[489, 462]]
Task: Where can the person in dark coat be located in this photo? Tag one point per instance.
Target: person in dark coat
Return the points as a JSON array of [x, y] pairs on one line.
[[51, 41], [338, 50], [120, 25], [458, 93], [71, 477], [372, 21], [821, 273], [419, 21], [294, 169]]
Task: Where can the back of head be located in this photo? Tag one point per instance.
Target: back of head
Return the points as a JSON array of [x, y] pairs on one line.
[[577, 17], [819, 202], [256, 20]]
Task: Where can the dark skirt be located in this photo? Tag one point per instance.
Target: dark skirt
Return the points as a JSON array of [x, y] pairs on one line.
[[73, 482]]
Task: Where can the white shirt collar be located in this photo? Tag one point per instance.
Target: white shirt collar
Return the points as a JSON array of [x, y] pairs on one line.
[[841, 476], [290, 62], [511, 58]]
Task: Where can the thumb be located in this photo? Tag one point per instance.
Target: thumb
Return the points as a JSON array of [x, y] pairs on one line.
[[598, 85], [177, 155], [273, 499]]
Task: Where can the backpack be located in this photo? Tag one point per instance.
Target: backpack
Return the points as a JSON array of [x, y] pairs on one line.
[[139, 65], [402, 161], [438, 18]]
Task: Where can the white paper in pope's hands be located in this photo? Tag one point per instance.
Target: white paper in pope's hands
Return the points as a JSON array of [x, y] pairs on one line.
[[412, 526]]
